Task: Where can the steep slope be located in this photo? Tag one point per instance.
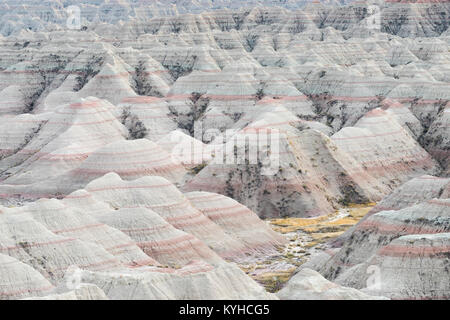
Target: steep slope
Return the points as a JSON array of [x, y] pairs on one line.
[[310, 285], [409, 236], [20, 280], [391, 156], [119, 228], [141, 143], [306, 174]]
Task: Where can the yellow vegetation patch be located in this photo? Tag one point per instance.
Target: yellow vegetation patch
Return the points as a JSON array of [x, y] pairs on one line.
[[306, 236], [346, 221], [293, 224], [326, 236], [361, 205], [311, 225], [274, 281]]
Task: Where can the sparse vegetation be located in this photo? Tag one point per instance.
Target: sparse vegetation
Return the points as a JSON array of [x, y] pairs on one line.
[[136, 128], [259, 94], [86, 74], [195, 170]]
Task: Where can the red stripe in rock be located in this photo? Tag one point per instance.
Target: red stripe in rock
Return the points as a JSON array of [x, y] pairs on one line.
[[395, 227], [79, 228], [27, 290], [413, 251], [29, 245], [131, 187]]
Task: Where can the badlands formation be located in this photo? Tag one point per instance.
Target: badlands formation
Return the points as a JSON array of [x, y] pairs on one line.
[[141, 149]]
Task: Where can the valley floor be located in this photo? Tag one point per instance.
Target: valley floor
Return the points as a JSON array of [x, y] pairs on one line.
[[307, 236]]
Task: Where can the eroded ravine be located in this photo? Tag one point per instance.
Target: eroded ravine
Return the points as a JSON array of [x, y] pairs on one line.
[[306, 236]]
